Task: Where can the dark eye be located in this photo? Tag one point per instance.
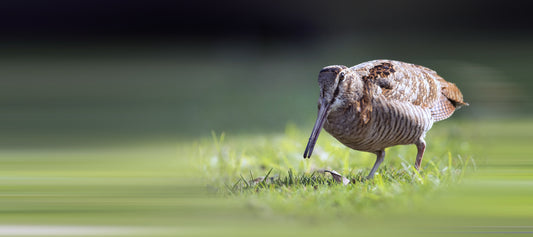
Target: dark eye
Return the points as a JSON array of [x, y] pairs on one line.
[[341, 76]]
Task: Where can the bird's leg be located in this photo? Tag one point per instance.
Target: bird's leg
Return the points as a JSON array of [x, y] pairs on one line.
[[421, 147], [379, 159]]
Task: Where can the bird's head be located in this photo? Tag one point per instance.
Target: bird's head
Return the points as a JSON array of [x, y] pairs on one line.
[[330, 80]]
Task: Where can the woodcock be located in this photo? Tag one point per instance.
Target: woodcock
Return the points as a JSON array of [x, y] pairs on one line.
[[382, 103]]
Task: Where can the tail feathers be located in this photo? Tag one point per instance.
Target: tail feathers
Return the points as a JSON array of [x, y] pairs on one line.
[[453, 93], [450, 100]]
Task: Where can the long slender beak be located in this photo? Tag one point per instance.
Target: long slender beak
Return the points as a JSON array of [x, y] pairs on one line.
[[322, 113]]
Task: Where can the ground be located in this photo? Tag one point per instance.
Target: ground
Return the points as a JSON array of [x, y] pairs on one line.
[[475, 178]]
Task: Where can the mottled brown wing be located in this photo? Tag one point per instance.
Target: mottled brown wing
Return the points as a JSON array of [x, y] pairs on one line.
[[403, 82], [412, 84]]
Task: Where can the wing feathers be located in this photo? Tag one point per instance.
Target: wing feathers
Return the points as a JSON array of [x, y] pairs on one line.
[[410, 83]]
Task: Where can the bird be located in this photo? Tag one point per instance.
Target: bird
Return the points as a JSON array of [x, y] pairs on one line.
[[382, 103]]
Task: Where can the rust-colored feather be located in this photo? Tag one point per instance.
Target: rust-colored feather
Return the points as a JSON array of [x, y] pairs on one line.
[[453, 93], [366, 102]]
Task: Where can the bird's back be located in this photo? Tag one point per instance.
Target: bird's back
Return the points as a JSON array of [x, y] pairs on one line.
[[409, 83]]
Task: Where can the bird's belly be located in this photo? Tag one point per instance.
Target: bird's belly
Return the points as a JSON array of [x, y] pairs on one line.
[[391, 123]]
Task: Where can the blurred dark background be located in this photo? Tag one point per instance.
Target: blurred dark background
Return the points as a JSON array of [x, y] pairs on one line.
[[209, 21], [79, 72]]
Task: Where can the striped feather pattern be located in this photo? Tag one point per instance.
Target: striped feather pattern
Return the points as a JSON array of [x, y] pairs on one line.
[[393, 123]]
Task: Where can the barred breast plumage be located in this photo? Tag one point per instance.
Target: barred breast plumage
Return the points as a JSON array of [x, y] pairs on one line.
[[382, 103]]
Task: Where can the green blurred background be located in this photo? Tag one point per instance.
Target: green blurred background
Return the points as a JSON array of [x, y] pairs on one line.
[[102, 100]]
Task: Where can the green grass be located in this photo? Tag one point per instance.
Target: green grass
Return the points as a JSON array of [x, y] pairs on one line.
[[271, 170], [475, 178]]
